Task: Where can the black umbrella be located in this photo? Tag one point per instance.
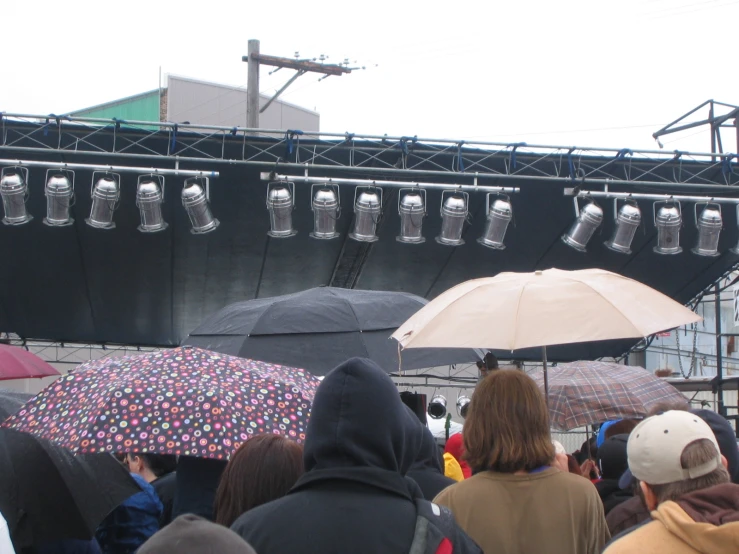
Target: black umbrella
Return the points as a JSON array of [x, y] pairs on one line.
[[319, 328], [11, 401], [48, 494]]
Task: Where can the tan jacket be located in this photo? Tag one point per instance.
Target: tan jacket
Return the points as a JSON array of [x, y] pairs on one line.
[[674, 531], [549, 512]]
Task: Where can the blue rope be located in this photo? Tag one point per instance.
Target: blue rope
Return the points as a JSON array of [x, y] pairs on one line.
[[234, 131], [349, 136], [513, 152], [460, 159], [623, 153], [173, 144], [570, 163], [726, 165], [118, 122], [290, 136]]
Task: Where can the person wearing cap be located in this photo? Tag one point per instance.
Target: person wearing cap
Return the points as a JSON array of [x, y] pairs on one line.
[[684, 480], [191, 534]]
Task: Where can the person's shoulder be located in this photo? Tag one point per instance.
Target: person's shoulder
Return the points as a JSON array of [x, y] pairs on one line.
[[634, 540], [572, 480], [463, 488], [262, 515]]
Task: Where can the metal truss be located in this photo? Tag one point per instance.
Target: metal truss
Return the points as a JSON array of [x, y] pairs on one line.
[[72, 353], [405, 157]]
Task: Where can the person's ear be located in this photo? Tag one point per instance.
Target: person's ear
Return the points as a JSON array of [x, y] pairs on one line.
[[725, 462], [650, 499]]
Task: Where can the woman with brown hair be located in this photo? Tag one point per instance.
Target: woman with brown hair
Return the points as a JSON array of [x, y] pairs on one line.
[[516, 502], [263, 469]]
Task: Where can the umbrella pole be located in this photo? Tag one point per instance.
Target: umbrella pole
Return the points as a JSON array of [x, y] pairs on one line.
[[546, 377]]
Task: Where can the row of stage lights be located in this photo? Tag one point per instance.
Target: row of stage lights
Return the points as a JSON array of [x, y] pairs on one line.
[[326, 207], [106, 193]]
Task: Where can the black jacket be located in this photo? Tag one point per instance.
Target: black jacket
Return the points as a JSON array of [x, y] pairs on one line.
[[428, 469], [354, 497], [611, 494]]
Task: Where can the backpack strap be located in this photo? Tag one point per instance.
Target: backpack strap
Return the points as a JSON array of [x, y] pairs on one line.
[[434, 525]]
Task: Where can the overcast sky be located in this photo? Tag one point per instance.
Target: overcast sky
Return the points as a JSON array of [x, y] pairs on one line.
[[571, 72]]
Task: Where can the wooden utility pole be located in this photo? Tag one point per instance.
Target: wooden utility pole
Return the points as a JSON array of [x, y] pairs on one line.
[[252, 86], [255, 59]]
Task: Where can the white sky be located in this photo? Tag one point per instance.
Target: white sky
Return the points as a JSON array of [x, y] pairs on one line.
[[569, 72]]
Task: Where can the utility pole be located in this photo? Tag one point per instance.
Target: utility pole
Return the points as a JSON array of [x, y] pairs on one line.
[[255, 59]]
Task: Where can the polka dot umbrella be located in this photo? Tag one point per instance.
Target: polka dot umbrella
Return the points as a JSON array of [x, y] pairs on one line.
[[180, 401]]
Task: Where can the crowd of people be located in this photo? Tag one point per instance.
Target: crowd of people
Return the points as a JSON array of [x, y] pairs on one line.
[[370, 477]]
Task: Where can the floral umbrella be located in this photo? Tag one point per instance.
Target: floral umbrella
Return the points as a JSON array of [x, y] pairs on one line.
[[180, 401]]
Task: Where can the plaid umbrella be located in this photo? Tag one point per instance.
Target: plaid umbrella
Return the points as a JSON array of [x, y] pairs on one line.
[[179, 401], [583, 393]]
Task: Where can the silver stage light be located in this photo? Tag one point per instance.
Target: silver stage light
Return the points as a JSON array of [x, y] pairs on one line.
[[499, 215], [627, 219], [281, 203], [105, 192], [149, 199], [326, 206], [454, 210], [59, 191], [437, 407], [195, 200], [463, 406], [668, 220], [709, 226], [14, 192], [412, 210], [367, 213], [582, 230]]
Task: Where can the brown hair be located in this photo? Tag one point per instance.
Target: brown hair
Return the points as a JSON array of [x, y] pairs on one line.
[[264, 468], [507, 426], [572, 465], [623, 427], [697, 453]]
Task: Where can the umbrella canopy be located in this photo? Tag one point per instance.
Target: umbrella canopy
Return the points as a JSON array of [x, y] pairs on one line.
[[519, 310], [17, 363], [11, 401], [319, 328], [48, 494], [179, 401], [583, 393]]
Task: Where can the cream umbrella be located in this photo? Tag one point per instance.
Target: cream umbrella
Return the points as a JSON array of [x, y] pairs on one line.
[[521, 310]]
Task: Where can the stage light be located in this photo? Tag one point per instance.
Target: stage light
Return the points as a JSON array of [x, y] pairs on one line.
[[454, 210], [195, 200], [149, 199], [367, 213], [668, 220], [281, 203], [326, 206], [709, 226], [499, 215], [14, 192], [59, 191], [627, 219], [582, 230], [106, 192], [412, 210], [463, 406], [437, 407]]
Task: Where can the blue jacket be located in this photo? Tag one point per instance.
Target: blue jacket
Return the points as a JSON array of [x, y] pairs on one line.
[[127, 527]]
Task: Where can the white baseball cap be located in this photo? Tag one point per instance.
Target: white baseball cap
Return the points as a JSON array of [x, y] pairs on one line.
[[657, 443]]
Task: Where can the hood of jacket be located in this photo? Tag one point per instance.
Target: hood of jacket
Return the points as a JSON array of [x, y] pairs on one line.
[[706, 520], [358, 421], [455, 447]]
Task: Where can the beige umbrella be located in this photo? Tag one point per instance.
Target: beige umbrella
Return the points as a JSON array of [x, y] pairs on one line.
[[545, 308]]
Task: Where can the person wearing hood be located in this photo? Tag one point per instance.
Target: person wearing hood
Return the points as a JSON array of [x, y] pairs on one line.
[[354, 496], [683, 476], [613, 463], [428, 469]]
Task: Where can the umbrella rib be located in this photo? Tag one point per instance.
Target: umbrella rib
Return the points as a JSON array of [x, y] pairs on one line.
[[518, 311]]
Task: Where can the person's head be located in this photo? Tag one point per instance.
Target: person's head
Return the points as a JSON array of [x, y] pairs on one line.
[[488, 363], [192, 534], [674, 454], [429, 456], [507, 427], [612, 458], [264, 468], [358, 420], [150, 466], [623, 427]]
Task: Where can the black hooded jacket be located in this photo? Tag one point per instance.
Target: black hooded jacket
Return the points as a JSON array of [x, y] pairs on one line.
[[428, 469], [353, 497]]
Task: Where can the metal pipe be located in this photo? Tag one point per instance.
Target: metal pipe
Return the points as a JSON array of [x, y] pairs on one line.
[[640, 196], [437, 385], [281, 132], [116, 168], [719, 360], [266, 176]]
